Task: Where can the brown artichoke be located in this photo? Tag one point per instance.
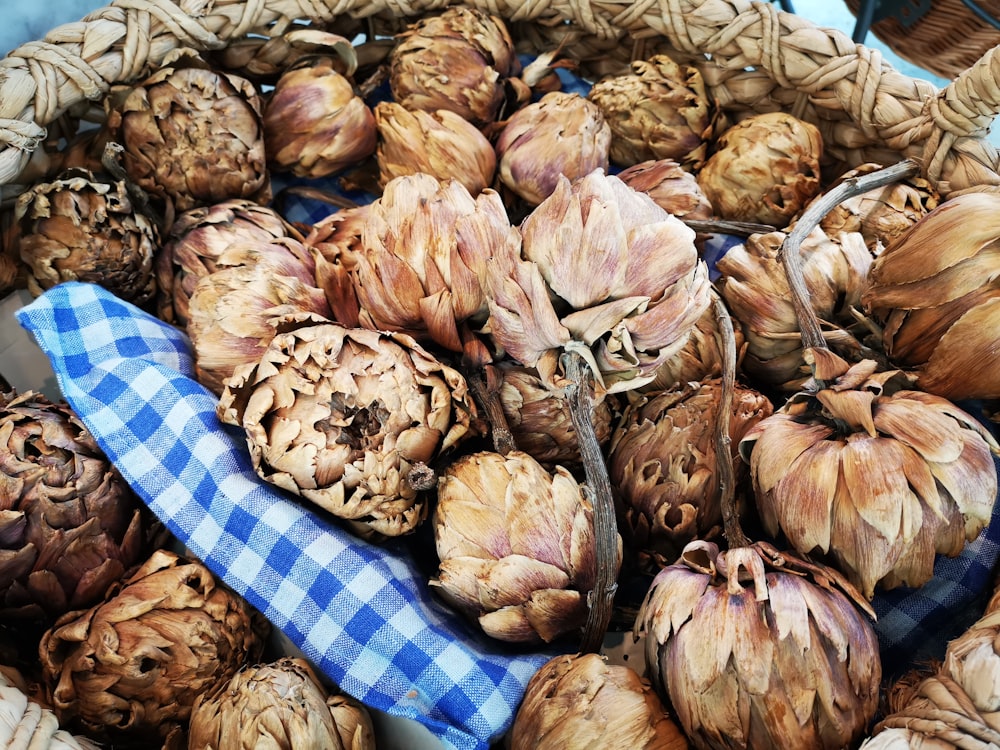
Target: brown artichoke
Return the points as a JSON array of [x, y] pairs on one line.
[[562, 135], [198, 239], [871, 475], [758, 650], [314, 123], [70, 526], [335, 242], [936, 290], [672, 187], [133, 665], [81, 228], [579, 701], [764, 169], [192, 136], [660, 110], [458, 60], [662, 462], [282, 704], [516, 546], [350, 419], [438, 142]]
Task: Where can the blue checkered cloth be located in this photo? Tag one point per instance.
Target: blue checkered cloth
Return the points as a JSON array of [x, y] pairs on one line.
[[359, 612]]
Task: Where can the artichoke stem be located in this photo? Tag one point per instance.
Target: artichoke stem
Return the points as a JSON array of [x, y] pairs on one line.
[[581, 409], [140, 198], [486, 392], [731, 527], [727, 226], [812, 333]]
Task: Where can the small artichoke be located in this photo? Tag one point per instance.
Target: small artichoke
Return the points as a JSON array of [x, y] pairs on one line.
[[314, 123], [764, 169], [335, 242], [133, 665], [758, 650], [192, 136], [282, 704], [579, 701], [82, 228], [562, 135], [198, 239], [606, 273], [516, 546], [457, 59], [871, 475], [350, 420], [672, 187], [660, 110], [662, 463], [70, 526], [436, 142], [936, 290]]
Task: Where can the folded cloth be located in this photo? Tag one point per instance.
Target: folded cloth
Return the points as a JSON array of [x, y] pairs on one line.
[[358, 611]]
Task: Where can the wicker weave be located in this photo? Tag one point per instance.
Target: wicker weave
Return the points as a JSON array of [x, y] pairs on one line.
[[754, 57], [946, 40]]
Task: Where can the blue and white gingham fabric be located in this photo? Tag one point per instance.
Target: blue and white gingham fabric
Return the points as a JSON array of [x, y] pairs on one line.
[[359, 612]]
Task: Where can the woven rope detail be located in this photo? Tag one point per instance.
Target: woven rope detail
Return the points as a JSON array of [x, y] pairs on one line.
[[939, 708], [864, 108]]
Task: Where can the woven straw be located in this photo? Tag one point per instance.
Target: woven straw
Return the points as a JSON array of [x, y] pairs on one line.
[[754, 57], [946, 40]]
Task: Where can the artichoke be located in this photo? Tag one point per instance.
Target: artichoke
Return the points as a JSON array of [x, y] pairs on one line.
[[335, 242], [672, 187], [458, 59], [197, 240], [562, 135], [439, 143], [758, 650], [192, 136], [282, 704], [660, 110], [350, 420], [936, 290], [516, 546], [314, 123], [871, 475], [133, 665], [81, 228], [70, 526], [662, 462], [764, 169], [579, 701]]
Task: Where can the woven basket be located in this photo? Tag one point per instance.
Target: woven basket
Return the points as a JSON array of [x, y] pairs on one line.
[[945, 40], [754, 57]]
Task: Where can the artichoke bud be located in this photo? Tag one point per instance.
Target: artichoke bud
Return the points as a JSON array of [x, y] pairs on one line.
[[660, 110], [169, 121], [283, 701], [872, 476], [755, 287], [133, 665], [578, 701], [335, 242], [82, 228], [662, 463], [516, 546], [438, 142], [348, 420], [458, 59], [560, 135], [71, 527], [314, 123], [764, 169], [197, 240], [936, 290], [673, 188], [783, 640]]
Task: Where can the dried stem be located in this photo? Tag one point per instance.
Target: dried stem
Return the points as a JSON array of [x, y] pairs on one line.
[[725, 226], [812, 333], [731, 527], [486, 392], [581, 409]]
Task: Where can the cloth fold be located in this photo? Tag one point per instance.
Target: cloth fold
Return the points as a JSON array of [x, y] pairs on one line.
[[358, 611]]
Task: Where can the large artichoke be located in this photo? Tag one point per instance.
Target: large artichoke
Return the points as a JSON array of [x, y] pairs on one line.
[[133, 665], [70, 526], [281, 704], [350, 419]]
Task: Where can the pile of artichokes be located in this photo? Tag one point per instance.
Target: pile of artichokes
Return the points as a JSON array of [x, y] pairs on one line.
[[506, 332]]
